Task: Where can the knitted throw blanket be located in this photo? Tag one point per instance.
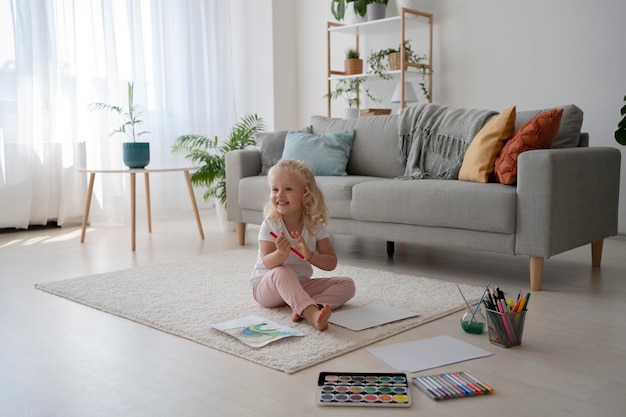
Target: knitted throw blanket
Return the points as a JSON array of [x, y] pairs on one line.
[[433, 139]]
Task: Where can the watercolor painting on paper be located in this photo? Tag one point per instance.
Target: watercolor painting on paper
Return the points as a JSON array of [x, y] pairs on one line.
[[256, 331]]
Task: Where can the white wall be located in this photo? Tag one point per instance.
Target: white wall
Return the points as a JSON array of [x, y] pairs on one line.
[[264, 43], [487, 54]]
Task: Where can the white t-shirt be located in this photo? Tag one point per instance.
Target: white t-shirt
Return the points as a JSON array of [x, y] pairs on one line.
[[299, 265]]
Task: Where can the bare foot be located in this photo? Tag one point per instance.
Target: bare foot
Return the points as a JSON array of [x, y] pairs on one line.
[[295, 317], [318, 318], [322, 318]]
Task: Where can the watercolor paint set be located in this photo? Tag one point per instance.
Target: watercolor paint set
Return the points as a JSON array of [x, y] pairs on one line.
[[363, 389]]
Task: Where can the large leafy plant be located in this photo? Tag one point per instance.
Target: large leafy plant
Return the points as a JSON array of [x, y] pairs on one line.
[[209, 156], [131, 115], [338, 7]]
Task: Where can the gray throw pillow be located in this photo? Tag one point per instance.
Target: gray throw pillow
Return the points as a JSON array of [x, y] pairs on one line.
[[571, 124], [271, 145]]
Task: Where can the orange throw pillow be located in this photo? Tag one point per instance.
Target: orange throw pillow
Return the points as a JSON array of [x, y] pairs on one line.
[[537, 133], [481, 154]]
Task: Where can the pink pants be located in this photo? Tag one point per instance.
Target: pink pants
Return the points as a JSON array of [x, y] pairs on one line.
[[281, 286]]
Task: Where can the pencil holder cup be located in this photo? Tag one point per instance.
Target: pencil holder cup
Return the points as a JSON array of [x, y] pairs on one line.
[[473, 321], [505, 329]]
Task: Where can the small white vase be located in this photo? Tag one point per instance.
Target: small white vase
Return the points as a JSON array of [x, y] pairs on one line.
[[351, 113]]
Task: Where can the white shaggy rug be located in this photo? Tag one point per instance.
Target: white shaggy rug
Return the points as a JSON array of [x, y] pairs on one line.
[[187, 297]]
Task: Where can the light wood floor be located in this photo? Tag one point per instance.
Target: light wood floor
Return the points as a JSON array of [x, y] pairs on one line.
[[59, 358]]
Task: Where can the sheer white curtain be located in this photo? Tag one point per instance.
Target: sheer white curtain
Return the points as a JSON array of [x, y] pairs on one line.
[[57, 56]]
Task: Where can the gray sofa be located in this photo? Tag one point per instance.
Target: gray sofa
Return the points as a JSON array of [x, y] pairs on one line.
[[565, 197]]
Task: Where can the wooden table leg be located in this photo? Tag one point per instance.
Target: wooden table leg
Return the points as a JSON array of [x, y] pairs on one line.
[[132, 210], [92, 178], [194, 205], [146, 177]]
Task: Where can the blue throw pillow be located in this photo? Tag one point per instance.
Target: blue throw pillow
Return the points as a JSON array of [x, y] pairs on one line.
[[325, 154]]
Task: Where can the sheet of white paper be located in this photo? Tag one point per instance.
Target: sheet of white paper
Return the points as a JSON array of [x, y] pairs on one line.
[[419, 355], [367, 316], [256, 331]]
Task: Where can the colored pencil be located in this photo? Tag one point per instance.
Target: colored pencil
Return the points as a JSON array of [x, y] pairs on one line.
[[294, 250]]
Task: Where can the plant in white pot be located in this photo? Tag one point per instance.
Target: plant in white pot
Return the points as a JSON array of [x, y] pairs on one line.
[[348, 89], [135, 154], [209, 155], [350, 11]]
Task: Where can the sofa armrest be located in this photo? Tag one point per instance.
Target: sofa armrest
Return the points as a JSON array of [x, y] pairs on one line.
[[566, 198], [239, 164]]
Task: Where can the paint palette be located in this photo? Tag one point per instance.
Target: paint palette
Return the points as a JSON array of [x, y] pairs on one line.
[[363, 389]]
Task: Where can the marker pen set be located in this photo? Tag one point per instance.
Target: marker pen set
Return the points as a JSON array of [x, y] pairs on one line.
[[495, 300], [505, 319], [449, 385]]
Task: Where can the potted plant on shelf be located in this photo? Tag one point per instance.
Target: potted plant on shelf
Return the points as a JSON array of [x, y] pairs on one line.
[[348, 89], [135, 154], [341, 9], [384, 60], [353, 63], [376, 9], [208, 155], [620, 133]]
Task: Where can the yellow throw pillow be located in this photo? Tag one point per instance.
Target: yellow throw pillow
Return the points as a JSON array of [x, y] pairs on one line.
[[480, 158]]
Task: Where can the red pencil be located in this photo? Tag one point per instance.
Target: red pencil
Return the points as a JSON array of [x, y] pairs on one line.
[[294, 250]]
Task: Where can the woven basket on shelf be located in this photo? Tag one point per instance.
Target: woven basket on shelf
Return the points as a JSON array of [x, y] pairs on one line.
[[394, 60], [353, 66]]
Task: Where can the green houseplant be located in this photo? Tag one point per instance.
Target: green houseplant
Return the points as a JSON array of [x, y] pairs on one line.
[[135, 154], [352, 53], [620, 133], [348, 89], [338, 7], [379, 63], [353, 63], [208, 155]]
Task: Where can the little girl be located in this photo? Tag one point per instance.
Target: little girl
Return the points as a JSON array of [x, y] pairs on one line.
[[296, 215]]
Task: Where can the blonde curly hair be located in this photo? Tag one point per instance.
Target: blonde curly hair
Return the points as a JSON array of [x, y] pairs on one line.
[[313, 200]]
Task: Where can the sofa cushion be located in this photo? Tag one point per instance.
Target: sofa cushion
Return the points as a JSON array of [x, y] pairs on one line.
[[481, 154], [437, 203], [325, 154], [374, 147], [570, 129], [270, 146], [254, 193], [538, 133]]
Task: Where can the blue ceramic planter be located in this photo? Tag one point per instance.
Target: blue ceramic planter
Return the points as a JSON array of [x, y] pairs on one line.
[[136, 154]]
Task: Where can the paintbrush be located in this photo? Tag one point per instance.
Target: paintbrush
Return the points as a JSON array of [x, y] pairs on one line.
[[465, 299]]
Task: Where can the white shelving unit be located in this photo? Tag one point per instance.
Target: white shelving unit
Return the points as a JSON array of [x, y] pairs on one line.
[[390, 25]]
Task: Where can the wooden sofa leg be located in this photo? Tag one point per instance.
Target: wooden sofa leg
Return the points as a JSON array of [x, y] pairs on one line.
[[596, 253], [241, 233], [536, 272]]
